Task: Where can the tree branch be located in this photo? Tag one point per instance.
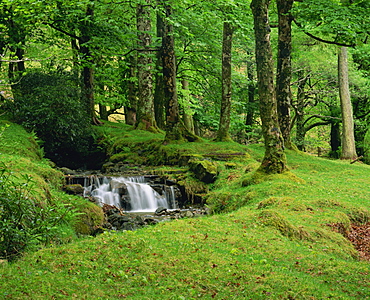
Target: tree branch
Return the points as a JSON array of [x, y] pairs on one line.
[[322, 40]]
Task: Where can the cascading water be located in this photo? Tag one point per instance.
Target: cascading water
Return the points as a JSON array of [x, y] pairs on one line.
[[132, 194]]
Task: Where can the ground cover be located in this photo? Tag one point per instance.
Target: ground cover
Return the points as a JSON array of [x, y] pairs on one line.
[[274, 237]]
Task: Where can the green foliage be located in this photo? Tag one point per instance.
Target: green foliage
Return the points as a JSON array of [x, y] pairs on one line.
[[50, 105], [25, 222]]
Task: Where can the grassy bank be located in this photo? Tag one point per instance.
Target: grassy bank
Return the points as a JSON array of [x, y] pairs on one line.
[[281, 238]]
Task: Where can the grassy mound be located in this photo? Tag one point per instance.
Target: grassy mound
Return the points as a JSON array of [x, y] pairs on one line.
[[33, 210]]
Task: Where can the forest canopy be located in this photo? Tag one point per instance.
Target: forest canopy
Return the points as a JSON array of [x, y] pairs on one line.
[[193, 69]]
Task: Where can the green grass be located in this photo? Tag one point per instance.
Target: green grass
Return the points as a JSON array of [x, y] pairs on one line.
[[274, 242]]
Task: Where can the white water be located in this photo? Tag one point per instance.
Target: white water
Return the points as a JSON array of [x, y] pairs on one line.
[[141, 197]]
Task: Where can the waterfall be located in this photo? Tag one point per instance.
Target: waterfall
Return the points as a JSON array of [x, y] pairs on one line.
[[132, 194]]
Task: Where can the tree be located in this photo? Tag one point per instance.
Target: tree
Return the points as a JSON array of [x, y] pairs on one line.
[[284, 68], [175, 128], [224, 125], [274, 160], [145, 109], [348, 138]]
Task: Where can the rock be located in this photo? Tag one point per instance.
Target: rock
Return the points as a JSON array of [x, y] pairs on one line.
[[67, 171], [204, 170], [160, 210], [74, 189]]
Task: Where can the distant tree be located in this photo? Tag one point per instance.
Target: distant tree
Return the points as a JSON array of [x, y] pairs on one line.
[[348, 137], [224, 124], [175, 128]]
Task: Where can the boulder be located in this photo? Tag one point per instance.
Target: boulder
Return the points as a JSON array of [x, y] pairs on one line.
[[204, 170]]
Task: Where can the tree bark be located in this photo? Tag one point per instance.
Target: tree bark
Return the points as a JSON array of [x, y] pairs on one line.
[[88, 98], [159, 112], [274, 160], [284, 69], [224, 124], [187, 118], [249, 119], [145, 108], [175, 128], [348, 137], [300, 129], [130, 109]]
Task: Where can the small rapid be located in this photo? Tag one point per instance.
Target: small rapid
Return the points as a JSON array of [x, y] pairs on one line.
[[132, 194]]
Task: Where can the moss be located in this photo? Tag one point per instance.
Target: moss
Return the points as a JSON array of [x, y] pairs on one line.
[[91, 217], [204, 170], [259, 177], [274, 219], [359, 215], [272, 201]]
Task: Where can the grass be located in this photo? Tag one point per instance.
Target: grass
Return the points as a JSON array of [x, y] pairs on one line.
[[272, 242]]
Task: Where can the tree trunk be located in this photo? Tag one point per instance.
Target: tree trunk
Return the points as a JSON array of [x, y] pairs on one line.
[[145, 108], [300, 129], [175, 128], [87, 71], [159, 112], [224, 124], [187, 118], [334, 139], [348, 138], [130, 109], [284, 69], [274, 160], [249, 119]]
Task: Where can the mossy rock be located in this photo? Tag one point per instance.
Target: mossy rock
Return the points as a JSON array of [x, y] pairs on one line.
[[204, 170], [90, 219], [74, 189]]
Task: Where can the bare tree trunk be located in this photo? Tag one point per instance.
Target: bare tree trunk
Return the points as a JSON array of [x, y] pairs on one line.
[[348, 138], [300, 129], [274, 160], [249, 119], [284, 69], [145, 108], [130, 109], [224, 124]]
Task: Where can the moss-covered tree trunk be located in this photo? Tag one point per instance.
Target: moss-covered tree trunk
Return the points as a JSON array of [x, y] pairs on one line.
[[348, 136], [274, 160], [159, 112], [88, 98], [284, 69], [224, 124], [175, 128], [145, 109]]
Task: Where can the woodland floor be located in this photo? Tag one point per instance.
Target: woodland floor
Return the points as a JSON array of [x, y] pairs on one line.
[[360, 238]]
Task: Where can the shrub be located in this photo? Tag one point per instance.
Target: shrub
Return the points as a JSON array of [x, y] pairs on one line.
[[50, 105], [26, 222]]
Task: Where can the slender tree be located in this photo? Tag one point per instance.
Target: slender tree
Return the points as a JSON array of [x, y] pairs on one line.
[[284, 68], [224, 124], [175, 128], [145, 109], [274, 160], [348, 137]]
